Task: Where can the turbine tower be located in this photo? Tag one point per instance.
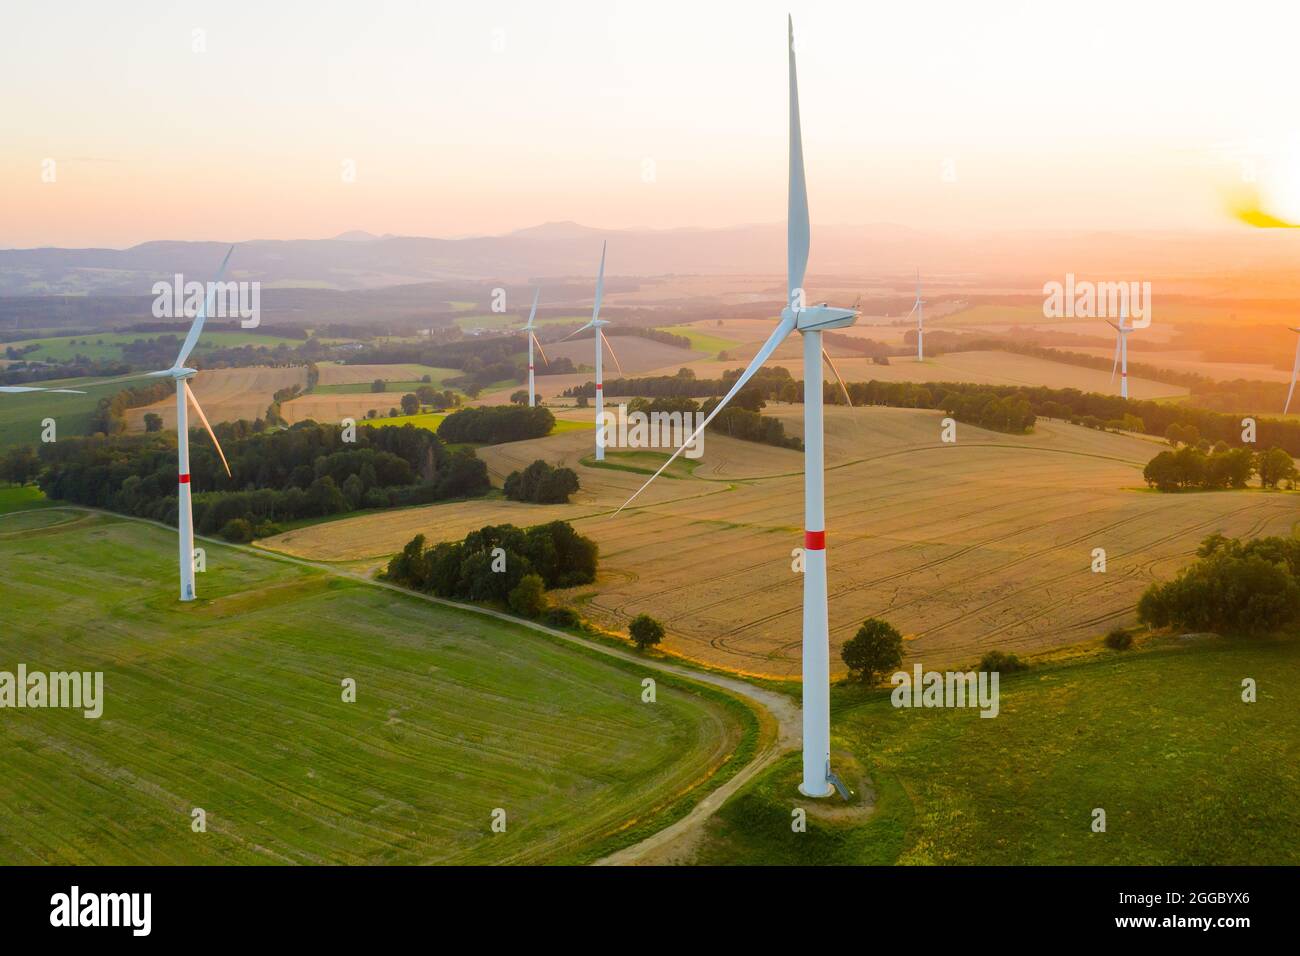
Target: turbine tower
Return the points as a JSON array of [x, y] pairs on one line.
[[598, 324], [919, 308], [1295, 370], [810, 322], [533, 340], [1121, 350]]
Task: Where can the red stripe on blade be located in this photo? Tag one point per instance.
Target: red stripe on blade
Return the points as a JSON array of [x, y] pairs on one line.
[[814, 540]]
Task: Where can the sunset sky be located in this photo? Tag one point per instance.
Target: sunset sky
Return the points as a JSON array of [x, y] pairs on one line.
[[469, 118]]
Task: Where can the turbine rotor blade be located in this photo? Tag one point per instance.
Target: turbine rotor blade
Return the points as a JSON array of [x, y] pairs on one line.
[[798, 236], [604, 338], [189, 394], [192, 339], [538, 343], [13, 389], [838, 377], [1114, 368], [533, 312], [576, 332], [1295, 373], [778, 336], [600, 285]]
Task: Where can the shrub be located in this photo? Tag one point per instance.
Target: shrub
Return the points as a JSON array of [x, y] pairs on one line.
[[1231, 589], [561, 617], [237, 530], [645, 631], [528, 598], [875, 649], [1119, 639], [541, 484], [1002, 662]]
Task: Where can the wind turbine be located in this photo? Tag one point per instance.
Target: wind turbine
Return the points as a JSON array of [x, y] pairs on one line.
[[533, 340], [919, 308], [810, 322], [1121, 350], [13, 389], [1295, 370], [598, 323]]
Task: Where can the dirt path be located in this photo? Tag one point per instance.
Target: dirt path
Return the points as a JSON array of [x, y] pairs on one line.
[[674, 842]]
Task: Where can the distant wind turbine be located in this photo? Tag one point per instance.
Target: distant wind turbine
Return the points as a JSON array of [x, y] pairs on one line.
[[1121, 350], [810, 322], [598, 324], [919, 308], [533, 340], [1295, 371]]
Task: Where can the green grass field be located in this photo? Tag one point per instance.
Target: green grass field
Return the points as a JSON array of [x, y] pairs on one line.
[[643, 463], [431, 421], [108, 345], [233, 704], [1159, 738], [395, 388], [21, 414], [702, 341]]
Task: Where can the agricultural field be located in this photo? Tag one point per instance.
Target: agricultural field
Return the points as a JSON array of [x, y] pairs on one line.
[[21, 414], [967, 547], [233, 704], [226, 394], [108, 345], [1158, 737], [638, 356]]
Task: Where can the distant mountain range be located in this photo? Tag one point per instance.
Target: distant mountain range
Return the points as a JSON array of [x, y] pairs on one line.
[[360, 260]]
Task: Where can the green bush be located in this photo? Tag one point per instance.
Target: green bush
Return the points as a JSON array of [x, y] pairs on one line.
[[237, 530], [875, 649], [645, 631], [1119, 639], [561, 617], [1002, 662]]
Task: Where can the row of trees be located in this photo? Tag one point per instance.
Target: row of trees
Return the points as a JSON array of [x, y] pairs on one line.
[[306, 471], [1233, 588], [490, 563], [1223, 467], [493, 424]]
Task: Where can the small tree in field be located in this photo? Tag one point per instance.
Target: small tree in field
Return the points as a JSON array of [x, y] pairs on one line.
[[645, 631], [875, 649], [152, 422], [520, 397], [528, 598]]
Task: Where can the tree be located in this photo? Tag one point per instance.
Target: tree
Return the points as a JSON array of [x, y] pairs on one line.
[[20, 465], [528, 599], [875, 649], [410, 404], [152, 422], [379, 385], [645, 631], [520, 397], [1275, 466]]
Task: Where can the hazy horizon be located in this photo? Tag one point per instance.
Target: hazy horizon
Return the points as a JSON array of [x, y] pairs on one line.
[[479, 121]]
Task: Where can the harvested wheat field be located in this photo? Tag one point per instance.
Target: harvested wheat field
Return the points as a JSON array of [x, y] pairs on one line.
[[968, 547], [980, 368], [226, 394], [328, 407]]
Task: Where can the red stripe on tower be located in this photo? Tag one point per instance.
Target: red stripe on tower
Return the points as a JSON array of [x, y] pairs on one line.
[[814, 540], [599, 386], [185, 479]]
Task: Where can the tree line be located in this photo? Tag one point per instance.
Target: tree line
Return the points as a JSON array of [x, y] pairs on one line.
[[1221, 467]]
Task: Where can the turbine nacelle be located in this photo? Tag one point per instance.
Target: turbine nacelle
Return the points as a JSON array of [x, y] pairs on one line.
[[818, 318]]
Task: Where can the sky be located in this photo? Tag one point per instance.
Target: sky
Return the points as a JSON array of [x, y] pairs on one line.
[[303, 120]]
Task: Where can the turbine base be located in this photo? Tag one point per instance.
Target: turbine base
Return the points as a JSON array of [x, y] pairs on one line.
[[830, 789]]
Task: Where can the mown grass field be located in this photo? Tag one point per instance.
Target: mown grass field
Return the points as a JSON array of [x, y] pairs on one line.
[[233, 704], [21, 414], [1160, 739]]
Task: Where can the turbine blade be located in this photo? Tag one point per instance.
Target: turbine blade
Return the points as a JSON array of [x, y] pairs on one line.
[[604, 338], [838, 377], [189, 394], [12, 389], [600, 285], [538, 343], [192, 339], [797, 231], [533, 312], [1295, 372], [1115, 367], [576, 332], [783, 329]]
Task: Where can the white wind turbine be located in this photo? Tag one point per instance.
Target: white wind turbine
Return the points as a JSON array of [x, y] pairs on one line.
[[810, 322], [533, 340], [1295, 370], [598, 323], [181, 375], [919, 308], [1121, 350]]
